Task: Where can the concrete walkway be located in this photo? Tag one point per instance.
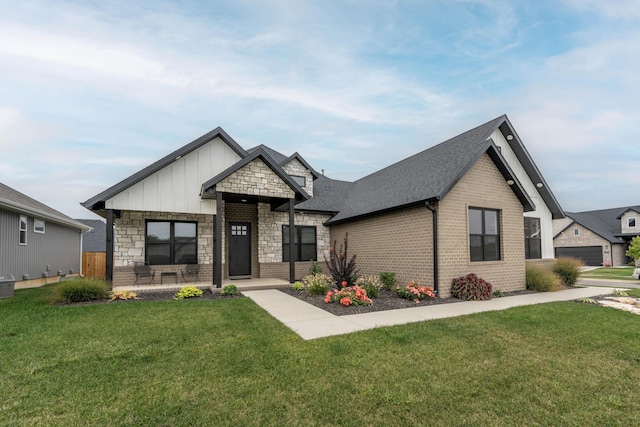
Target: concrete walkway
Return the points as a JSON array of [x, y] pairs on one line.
[[311, 322]]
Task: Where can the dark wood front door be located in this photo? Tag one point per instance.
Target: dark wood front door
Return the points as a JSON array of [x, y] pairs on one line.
[[240, 249]]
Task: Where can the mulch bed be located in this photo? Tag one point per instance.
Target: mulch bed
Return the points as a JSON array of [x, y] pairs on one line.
[[386, 301], [162, 296]]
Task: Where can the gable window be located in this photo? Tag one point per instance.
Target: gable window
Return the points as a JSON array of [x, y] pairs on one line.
[[171, 242], [300, 180], [38, 226], [576, 232], [484, 234], [304, 243], [23, 230], [532, 240], [631, 222]]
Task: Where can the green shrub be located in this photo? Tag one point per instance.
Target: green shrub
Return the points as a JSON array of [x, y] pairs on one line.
[[315, 268], [229, 290], [317, 284], [388, 279], [568, 269], [78, 290], [471, 288], [498, 293], [298, 286], [187, 292], [542, 280], [371, 284]]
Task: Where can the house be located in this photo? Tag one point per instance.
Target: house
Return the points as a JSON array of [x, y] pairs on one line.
[[599, 237], [94, 248], [38, 244], [459, 207]]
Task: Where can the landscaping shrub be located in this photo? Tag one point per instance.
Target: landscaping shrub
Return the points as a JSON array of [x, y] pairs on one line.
[[298, 286], [78, 290], [542, 280], [315, 268], [123, 295], [353, 295], [229, 290], [388, 279], [415, 292], [568, 269], [317, 284], [341, 270], [188, 292], [371, 284], [471, 288]]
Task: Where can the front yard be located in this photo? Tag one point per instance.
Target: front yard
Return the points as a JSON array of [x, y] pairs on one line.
[[229, 363], [618, 273]]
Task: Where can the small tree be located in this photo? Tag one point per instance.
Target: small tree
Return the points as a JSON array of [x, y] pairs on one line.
[[341, 270], [634, 250]]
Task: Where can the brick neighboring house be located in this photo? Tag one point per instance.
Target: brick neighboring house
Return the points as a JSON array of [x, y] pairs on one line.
[[599, 237], [452, 209]]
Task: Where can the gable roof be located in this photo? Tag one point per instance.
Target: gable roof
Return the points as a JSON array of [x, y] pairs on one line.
[[427, 176], [258, 153], [93, 202], [604, 222], [94, 240], [16, 201], [328, 195], [275, 155]]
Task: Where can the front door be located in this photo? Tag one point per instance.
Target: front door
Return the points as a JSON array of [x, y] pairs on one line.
[[240, 249]]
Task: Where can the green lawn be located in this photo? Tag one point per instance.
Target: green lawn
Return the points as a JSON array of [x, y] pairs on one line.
[[185, 363], [623, 273]]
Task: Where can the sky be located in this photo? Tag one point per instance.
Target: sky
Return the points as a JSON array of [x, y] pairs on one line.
[[93, 91]]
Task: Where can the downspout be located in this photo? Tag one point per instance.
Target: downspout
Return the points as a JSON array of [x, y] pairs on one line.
[[434, 220]]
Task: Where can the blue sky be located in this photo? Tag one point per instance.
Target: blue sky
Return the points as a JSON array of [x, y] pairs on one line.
[[91, 92]]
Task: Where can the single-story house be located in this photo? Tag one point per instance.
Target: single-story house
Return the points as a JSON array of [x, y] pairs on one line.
[[94, 244], [599, 237], [474, 203], [38, 244]]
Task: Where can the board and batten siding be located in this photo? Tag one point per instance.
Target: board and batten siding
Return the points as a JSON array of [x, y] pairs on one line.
[[59, 248], [541, 211], [176, 188]]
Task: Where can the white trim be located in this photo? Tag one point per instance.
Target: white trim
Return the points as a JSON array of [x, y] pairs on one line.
[[576, 232], [23, 220], [633, 218]]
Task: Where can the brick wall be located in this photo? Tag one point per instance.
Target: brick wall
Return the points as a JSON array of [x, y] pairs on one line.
[[482, 187], [257, 179]]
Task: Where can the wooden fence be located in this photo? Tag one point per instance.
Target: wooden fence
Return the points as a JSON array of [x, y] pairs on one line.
[[94, 264]]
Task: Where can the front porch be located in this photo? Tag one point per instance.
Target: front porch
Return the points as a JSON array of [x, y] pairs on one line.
[[253, 284]]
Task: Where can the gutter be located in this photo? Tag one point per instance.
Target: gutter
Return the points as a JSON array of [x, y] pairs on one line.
[[434, 220], [20, 208]]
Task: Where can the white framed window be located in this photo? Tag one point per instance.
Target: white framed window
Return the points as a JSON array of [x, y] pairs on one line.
[[38, 226], [22, 230], [576, 232], [631, 222]]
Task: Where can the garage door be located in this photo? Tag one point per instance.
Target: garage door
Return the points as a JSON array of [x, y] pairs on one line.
[[590, 255]]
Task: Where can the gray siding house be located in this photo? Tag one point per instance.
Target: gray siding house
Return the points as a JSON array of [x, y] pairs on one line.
[[38, 244]]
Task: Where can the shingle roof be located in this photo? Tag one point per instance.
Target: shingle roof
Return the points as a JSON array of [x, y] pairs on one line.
[[17, 201], [94, 240], [605, 222], [426, 176], [328, 195], [275, 155]]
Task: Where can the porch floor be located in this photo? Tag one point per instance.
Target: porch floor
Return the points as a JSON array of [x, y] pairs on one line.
[[242, 284]]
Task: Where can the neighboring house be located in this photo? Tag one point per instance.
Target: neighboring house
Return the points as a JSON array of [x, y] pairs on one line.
[[598, 237], [453, 209], [37, 243], [94, 249]]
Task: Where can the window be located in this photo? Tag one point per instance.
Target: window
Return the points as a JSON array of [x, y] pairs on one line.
[[171, 242], [576, 232], [23, 230], [300, 180], [38, 226], [631, 222], [304, 243], [532, 240], [484, 235]]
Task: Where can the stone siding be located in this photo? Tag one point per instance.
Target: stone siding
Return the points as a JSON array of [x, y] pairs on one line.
[[483, 186], [255, 179], [294, 167], [624, 222]]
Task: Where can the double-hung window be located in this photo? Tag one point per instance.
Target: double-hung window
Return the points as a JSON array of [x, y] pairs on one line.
[[22, 230], [484, 234], [304, 243], [171, 242], [532, 240]]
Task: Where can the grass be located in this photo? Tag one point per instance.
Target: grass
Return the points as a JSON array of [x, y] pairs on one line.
[[618, 273], [230, 363]]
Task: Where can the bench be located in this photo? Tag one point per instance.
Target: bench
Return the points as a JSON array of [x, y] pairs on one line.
[[143, 271]]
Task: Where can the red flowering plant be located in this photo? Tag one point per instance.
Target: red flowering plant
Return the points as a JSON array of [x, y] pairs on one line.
[[352, 295], [415, 292], [340, 266]]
